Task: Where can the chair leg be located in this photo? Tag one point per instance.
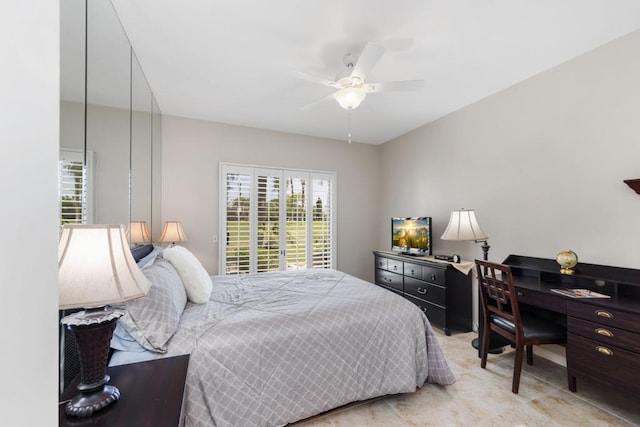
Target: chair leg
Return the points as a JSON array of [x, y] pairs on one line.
[[529, 355], [517, 368], [485, 346]]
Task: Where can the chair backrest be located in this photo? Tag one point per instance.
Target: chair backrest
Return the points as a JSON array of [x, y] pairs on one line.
[[498, 293]]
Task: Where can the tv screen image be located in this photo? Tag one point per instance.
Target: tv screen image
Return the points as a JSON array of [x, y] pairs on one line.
[[411, 235]]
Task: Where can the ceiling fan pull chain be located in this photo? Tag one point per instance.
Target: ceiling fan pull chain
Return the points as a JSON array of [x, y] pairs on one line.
[[349, 135]]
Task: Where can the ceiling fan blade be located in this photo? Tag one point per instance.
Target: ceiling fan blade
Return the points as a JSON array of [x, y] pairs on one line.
[[397, 45], [314, 79], [400, 86], [368, 59], [315, 103]]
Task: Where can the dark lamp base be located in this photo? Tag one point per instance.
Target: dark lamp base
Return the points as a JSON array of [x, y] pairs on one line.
[[92, 330], [85, 404], [475, 343]]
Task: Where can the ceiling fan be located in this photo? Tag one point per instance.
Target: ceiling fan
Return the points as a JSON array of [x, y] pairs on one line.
[[351, 84]]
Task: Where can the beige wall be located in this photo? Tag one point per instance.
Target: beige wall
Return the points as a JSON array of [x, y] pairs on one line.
[[542, 163], [193, 149], [29, 83]]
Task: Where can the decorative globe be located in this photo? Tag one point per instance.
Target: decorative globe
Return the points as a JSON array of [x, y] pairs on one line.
[[567, 260]]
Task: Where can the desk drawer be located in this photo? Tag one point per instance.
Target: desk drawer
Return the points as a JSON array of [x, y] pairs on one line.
[[389, 279], [425, 291], [433, 275], [606, 335], [606, 363], [436, 315], [542, 299], [604, 316]]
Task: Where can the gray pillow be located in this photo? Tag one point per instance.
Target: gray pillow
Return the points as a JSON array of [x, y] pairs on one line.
[[153, 319]]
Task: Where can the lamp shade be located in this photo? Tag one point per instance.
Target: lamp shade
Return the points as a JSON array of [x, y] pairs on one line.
[[96, 268], [172, 232], [138, 232], [463, 225], [350, 97]]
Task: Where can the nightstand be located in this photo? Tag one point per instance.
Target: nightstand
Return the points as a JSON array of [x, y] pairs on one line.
[[151, 394]]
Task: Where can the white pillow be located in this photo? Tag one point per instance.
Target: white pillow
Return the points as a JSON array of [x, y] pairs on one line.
[[196, 280]]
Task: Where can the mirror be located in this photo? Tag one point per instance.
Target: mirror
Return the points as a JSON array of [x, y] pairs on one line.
[[156, 167], [109, 120], [141, 131]]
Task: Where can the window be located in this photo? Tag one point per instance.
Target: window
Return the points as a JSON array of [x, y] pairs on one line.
[[73, 184], [275, 219]]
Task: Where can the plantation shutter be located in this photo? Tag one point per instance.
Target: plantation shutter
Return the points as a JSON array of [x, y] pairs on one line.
[[238, 222], [268, 220], [322, 221], [296, 220], [276, 219], [73, 187]]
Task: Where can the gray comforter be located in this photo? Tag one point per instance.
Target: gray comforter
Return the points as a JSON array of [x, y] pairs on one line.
[[274, 348]]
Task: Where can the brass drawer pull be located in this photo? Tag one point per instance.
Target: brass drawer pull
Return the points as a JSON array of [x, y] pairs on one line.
[[603, 313], [604, 332], [422, 291], [604, 350]]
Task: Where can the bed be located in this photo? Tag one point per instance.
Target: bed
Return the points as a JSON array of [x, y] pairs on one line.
[[269, 349]]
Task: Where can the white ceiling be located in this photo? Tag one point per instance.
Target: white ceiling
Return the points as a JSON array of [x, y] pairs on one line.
[[233, 61]]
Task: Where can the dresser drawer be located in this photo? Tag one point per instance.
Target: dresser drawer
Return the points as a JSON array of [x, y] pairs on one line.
[[425, 291], [606, 363], [433, 275], [413, 270], [395, 266], [604, 334], [436, 315], [389, 279], [381, 262], [604, 316]]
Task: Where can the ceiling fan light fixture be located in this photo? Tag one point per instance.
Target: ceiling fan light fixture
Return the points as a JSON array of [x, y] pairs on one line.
[[350, 98]]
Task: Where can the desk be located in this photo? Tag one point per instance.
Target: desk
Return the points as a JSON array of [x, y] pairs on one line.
[[603, 335], [151, 395]]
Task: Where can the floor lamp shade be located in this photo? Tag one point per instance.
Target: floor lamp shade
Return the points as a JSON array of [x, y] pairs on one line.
[[463, 225], [172, 232]]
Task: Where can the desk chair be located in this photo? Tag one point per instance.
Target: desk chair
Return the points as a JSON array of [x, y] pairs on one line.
[[502, 315]]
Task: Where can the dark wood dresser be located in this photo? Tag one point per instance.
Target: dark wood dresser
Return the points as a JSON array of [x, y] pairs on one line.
[[442, 292], [603, 334]]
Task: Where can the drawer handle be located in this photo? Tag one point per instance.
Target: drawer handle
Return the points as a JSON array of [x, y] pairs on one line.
[[433, 277], [413, 273], [603, 313], [604, 350], [386, 279], [604, 332], [395, 267], [422, 291]]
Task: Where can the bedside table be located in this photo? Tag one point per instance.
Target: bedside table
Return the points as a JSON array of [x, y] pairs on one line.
[[151, 394]]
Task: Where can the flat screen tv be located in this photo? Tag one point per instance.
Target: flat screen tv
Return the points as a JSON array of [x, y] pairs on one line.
[[411, 235]]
